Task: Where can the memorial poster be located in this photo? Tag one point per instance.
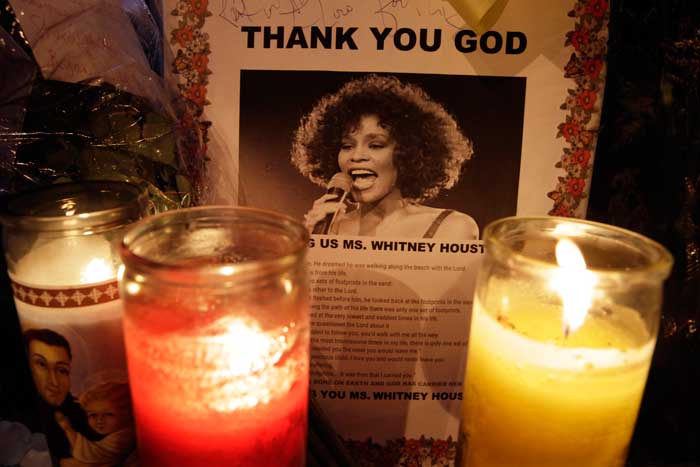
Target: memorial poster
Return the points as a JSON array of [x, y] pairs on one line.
[[396, 130]]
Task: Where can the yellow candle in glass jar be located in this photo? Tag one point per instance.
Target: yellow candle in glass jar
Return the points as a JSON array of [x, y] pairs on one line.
[[562, 334], [536, 398]]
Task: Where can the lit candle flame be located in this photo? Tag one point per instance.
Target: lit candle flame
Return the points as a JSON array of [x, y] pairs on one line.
[[574, 283], [97, 270], [248, 349], [243, 362]]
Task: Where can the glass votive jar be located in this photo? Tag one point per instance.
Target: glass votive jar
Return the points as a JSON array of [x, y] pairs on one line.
[[217, 336], [61, 244], [564, 324]]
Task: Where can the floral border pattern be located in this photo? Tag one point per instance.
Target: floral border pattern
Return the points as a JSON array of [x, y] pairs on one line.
[[586, 67], [191, 67], [192, 49], [403, 452]]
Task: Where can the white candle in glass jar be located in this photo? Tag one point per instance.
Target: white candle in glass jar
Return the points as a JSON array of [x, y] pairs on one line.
[[61, 248], [69, 285]]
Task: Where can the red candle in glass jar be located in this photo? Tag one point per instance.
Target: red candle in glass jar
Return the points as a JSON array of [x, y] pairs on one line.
[[216, 327], [236, 398]]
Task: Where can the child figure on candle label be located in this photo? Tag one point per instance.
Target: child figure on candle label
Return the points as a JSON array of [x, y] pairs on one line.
[[108, 408]]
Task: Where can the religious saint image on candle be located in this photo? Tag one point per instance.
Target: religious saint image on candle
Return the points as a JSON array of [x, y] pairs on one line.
[[109, 413], [93, 429], [404, 155], [50, 361]]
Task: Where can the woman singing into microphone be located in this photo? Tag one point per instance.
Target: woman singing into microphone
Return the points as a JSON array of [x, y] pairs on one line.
[[399, 148]]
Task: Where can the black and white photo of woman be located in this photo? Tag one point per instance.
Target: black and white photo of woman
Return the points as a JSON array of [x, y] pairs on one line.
[[456, 149], [397, 148]]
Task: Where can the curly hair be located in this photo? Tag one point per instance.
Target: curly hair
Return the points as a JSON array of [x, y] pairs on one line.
[[430, 149], [116, 392]]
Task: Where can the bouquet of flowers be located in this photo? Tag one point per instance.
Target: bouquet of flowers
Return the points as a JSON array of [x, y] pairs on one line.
[[81, 99]]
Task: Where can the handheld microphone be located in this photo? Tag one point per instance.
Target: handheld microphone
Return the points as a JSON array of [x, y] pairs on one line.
[[341, 185]]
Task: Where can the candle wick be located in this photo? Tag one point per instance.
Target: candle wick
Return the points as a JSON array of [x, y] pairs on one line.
[[567, 331]]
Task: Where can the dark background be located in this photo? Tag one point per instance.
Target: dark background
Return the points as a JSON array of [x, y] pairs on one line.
[[489, 110], [646, 177]]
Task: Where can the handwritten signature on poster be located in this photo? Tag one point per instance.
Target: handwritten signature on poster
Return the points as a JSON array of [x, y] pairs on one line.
[[329, 12]]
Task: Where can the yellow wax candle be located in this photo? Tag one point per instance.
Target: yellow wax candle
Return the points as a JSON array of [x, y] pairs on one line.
[[562, 334], [535, 397]]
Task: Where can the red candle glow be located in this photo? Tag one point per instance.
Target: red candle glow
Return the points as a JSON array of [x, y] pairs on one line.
[[224, 399], [218, 350]]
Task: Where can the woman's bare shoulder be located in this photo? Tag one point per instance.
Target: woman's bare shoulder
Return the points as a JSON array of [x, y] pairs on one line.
[[456, 226]]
